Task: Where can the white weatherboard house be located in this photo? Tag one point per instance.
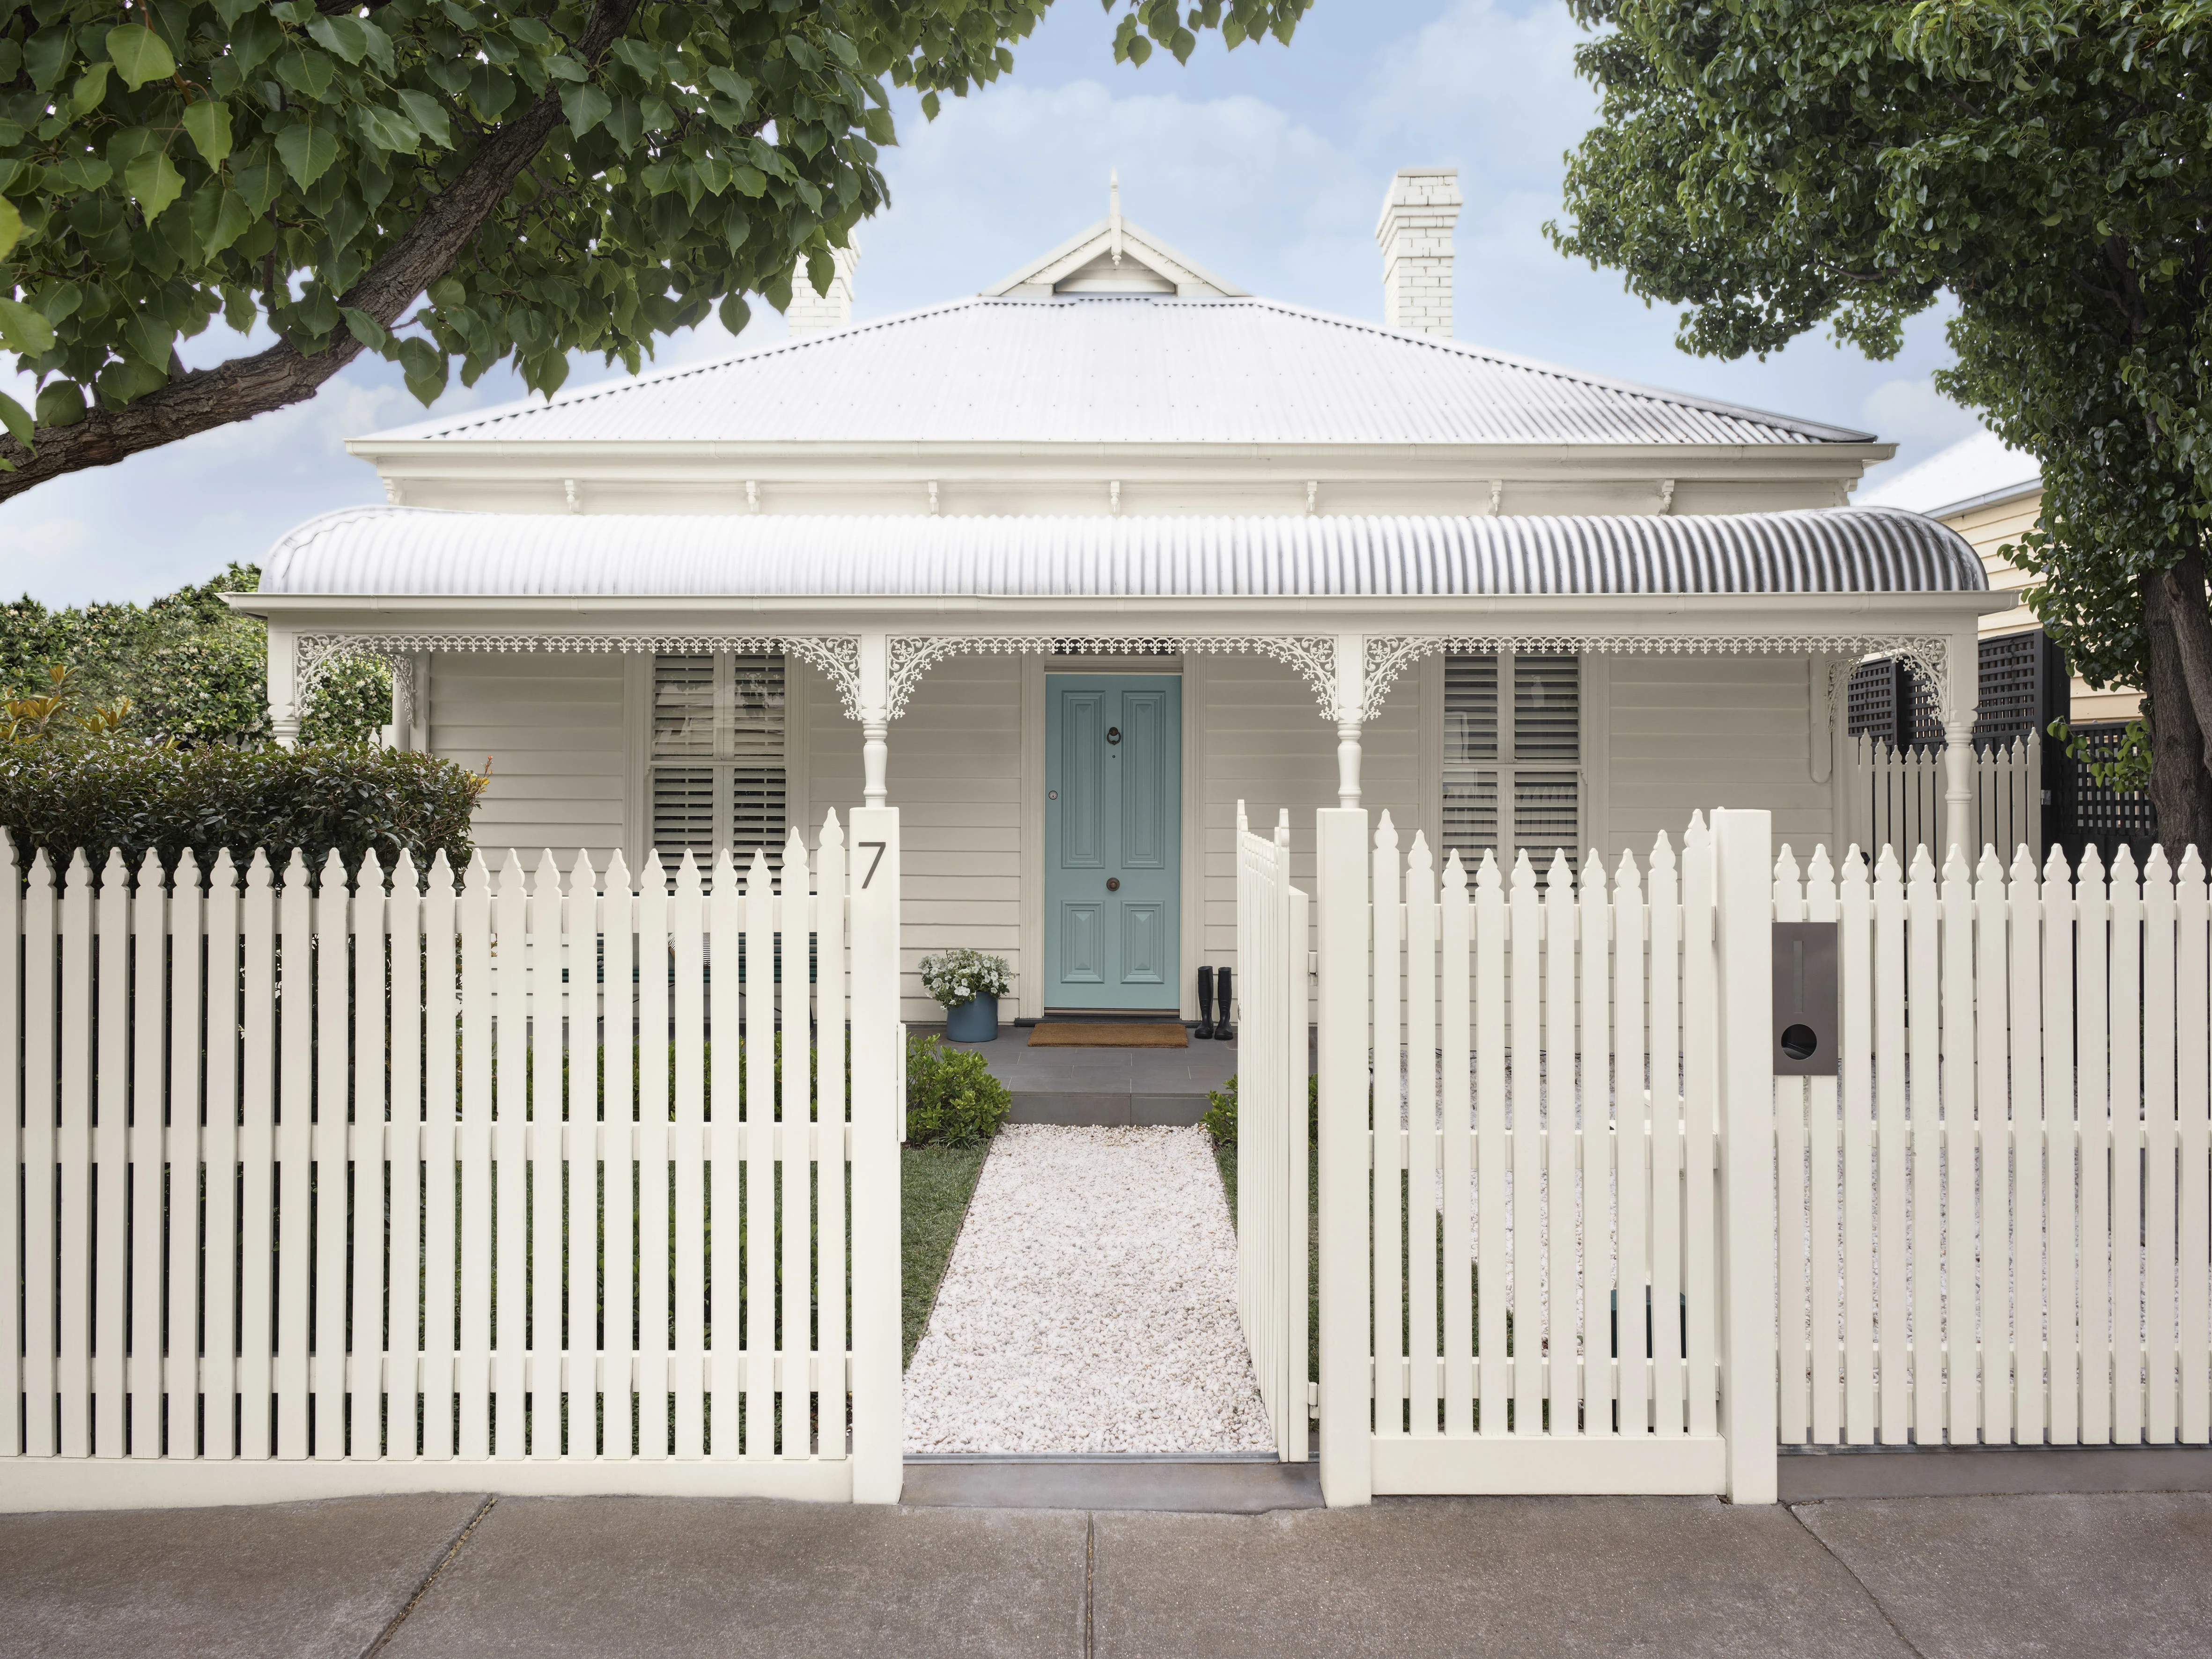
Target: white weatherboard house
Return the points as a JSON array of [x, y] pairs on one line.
[[1067, 569]]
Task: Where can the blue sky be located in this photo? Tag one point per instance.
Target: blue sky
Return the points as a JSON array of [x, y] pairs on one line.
[[1267, 165]]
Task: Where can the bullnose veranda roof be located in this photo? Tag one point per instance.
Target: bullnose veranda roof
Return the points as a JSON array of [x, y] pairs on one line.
[[1120, 369], [378, 551]]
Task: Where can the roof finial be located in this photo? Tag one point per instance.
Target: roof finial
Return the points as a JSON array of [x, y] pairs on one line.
[[1113, 210]]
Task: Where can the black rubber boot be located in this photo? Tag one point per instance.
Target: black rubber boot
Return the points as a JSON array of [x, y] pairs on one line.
[[1223, 1031], [1205, 1003]]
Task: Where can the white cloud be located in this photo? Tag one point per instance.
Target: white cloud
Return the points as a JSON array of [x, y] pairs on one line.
[[1240, 186], [1913, 411]]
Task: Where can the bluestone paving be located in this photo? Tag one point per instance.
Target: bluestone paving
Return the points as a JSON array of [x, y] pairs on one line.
[[299, 1580], [1522, 1578], [2119, 1576], [674, 1578]]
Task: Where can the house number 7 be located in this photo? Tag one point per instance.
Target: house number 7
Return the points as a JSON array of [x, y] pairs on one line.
[[873, 862]]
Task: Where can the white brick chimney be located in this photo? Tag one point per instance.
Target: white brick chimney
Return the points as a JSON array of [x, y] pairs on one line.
[[817, 313], [1415, 235]]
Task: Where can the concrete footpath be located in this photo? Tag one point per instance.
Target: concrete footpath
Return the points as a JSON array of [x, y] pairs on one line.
[[2103, 1575]]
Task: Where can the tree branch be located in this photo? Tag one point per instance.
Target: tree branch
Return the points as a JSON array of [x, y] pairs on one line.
[[283, 375]]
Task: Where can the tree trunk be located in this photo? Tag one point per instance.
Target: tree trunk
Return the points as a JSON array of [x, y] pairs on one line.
[[2178, 631], [246, 386]]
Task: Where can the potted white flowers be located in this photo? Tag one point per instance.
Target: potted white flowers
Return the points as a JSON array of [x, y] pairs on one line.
[[970, 984]]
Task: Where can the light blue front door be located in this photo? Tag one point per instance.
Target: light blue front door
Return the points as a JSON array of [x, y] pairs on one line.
[[1113, 817]]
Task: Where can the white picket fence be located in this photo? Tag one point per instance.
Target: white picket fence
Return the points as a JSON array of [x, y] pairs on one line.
[[332, 1188], [1895, 795], [1272, 1210], [1554, 1135], [1995, 1226]]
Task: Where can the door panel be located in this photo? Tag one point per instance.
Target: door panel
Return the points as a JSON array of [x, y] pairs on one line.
[[1143, 953], [1113, 814], [1146, 829], [1081, 961], [1082, 726]]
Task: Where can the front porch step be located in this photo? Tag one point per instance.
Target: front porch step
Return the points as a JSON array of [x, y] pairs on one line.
[[1214, 1485], [1117, 1110], [1105, 1087]]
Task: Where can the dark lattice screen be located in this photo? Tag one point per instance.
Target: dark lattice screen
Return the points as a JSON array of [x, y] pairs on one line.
[[2092, 815], [2024, 686]]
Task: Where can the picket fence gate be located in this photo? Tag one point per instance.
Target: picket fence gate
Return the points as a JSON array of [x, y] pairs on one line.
[[1550, 1256], [1273, 1302], [1895, 795], [300, 1215]]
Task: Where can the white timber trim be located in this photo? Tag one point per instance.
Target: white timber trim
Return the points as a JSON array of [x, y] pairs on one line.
[[637, 758], [1595, 804], [1191, 886], [1029, 988], [798, 748], [1429, 745]]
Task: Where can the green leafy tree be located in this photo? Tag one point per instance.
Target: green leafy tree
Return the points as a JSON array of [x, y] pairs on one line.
[[2048, 163], [437, 180], [192, 668]]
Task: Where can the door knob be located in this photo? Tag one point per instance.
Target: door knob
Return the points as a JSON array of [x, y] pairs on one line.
[[1112, 884]]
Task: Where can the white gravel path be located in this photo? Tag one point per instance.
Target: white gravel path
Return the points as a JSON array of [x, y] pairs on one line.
[[1090, 1305]]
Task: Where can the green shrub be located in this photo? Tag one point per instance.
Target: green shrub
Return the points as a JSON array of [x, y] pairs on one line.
[[99, 793], [1220, 1119], [951, 1099]]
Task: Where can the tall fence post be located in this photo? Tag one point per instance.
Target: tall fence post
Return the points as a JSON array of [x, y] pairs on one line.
[[1347, 1473], [878, 1420], [1743, 930]]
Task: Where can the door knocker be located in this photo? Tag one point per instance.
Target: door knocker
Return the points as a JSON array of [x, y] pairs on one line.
[[1113, 733]]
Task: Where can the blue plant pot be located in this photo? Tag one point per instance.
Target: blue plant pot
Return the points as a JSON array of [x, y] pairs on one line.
[[973, 1022]]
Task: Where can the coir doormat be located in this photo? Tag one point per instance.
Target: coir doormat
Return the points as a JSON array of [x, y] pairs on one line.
[[1075, 1034]]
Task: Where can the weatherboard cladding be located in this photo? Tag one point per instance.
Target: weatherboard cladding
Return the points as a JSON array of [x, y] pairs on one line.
[[417, 551], [1119, 369]]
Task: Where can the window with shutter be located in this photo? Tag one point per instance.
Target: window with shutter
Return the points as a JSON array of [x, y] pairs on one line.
[[718, 757], [1512, 756]]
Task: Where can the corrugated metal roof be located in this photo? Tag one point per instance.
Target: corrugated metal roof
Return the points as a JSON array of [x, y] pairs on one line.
[[417, 551], [1123, 369]]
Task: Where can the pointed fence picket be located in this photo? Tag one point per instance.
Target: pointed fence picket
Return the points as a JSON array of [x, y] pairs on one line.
[[323, 1173], [1271, 1146]]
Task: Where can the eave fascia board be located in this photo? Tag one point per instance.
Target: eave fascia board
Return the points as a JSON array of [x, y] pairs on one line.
[[609, 459]]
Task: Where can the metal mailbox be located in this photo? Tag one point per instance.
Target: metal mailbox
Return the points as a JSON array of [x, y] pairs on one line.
[[1807, 1014]]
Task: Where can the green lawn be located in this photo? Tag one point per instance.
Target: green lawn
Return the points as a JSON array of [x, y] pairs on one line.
[[935, 1184]]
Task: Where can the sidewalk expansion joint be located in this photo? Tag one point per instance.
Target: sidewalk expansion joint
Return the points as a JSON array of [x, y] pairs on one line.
[[1090, 1567], [1865, 1588], [430, 1579]]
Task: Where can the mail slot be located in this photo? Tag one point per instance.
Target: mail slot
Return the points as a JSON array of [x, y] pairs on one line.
[[1806, 1035]]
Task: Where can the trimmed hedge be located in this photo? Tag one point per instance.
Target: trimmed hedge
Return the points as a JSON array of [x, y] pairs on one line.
[[107, 793]]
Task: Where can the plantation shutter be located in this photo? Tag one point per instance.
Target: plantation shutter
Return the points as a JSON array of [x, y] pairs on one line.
[[718, 757], [1512, 756]]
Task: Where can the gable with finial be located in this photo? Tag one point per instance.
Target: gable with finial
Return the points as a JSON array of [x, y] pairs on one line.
[[1114, 256]]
